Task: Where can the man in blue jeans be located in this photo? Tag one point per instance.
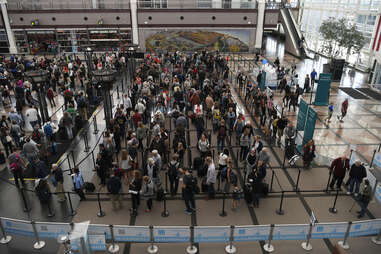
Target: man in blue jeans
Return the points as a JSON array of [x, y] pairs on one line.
[[366, 196], [356, 174]]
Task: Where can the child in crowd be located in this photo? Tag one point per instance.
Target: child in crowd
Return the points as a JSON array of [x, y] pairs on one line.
[[236, 197], [330, 113]]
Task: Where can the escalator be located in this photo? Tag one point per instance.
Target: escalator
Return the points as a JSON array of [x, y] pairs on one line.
[[294, 43]]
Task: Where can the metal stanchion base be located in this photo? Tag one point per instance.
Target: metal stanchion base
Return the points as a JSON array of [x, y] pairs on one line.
[[113, 248], [268, 247], [230, 249], [39, 245], [101, 214], [376, 241], [6, 239], [279, 212], [223, 214], [87, 149], [165, 214], [51, 214], [306, 246], [192, 249], [342, 245], [73, 213], [152, 249], [332, 210]]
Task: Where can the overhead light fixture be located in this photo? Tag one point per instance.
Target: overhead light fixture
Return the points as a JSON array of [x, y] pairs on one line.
[[35, 22]]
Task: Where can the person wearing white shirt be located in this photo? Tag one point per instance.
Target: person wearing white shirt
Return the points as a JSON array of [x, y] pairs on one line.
[[211, 177], [32, 117], [140, 107], [127, 102]]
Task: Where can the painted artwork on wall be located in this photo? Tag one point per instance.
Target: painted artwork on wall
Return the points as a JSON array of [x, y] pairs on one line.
[[193, 40]]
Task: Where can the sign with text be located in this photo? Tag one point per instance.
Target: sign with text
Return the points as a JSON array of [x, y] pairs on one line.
[[211, 234], [99, 230], [323, 89], [171, 234], [131, 233], [52, 230], [251, 233], [302, 115], [97, 242], [309, 128], [290, 232], [17, 227], [363, 228], [329, 230]]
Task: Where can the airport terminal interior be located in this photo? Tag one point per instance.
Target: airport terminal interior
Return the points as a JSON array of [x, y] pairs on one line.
[[190, 126]]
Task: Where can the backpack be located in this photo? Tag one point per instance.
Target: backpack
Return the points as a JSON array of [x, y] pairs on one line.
[[48, 130], [172, 169], [14, 167], [233, 178], [224, 172], [275, 123], [222, 132], [217, 115], [36, 136], [81, 102]]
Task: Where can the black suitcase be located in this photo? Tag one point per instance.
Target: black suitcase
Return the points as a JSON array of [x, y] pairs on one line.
[[89, 187], [2, 158], [160, 194], [265, 189], [204, 186], [197, 166], [289, 151]]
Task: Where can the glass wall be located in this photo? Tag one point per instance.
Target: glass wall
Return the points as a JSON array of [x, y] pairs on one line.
[[360, 12]]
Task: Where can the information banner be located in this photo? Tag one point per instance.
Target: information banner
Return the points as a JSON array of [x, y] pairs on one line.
[[99, 229], [363, 228], [97, 242], [171, 234], [211, 234], [131, 233], [302, 115], [251, 233], [17, 227], [52, 230], [290, 232], [323, 89], [329, 230], [309, 128], [377, 160]]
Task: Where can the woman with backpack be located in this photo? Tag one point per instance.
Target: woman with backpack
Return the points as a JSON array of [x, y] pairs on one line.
[[173, 174]]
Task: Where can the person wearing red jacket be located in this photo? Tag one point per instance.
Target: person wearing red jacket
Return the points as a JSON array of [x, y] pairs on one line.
[[338, 170], [344, 110]]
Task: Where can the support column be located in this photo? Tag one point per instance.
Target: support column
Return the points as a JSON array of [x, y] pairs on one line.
[[10, 35], [94, 4], [134, 22], [260, 24]]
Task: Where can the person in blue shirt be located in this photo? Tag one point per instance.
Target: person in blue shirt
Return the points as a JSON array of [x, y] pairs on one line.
[[313, 77], [330, 113], [78, 184]]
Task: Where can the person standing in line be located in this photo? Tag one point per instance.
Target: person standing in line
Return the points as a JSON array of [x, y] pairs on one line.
[[339, 167], [356, 174], [344, 110], [114, 185], [147, 192], [365, 197], [211, 177], [307, 84], [188, 191], [313, 77], [135, 187], [57, 181], [330, 113], [78, 184]]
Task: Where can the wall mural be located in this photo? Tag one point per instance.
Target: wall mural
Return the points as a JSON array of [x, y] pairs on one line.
[[193, 40]]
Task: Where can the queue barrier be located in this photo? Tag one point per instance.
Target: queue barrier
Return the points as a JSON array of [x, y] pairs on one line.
[[100, 234]]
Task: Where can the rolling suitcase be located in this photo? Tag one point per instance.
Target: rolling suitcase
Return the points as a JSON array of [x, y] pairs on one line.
[[204, 186]]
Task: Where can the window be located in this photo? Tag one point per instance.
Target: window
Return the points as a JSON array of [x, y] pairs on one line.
[[204, 3], [227, 4], [361, 19], [246, 4], [371, 20], [150, 4]]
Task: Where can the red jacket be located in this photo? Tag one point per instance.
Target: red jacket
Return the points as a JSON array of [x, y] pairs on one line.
[[339, 167]]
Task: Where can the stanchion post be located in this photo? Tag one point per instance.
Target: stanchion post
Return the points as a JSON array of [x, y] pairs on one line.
[[6, 238], [152, 249], [329, 179], [344, 243], [92, 155], [100, 213], [280, 211], [223, 212], [268, 247], [284, 158], [231, 248], [272, 180], [165, 212], [114, 248], [297, 182], [38, 244], [26, 208], [68, 162], [191, 249], [95, 124], [371, 162], [333, 208], [307, 245], [166, 182], [377, 239], [72, 156], [72, 212], [86, 141]]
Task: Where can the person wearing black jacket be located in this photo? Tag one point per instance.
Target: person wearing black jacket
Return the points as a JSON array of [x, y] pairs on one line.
[[114, 186], [173, 174], [188, 191], [282, 123], [356, 174], [103, 163], [134, 189], [58, 182]]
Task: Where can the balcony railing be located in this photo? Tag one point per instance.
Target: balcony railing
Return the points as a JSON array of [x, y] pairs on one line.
[[67, 4]]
